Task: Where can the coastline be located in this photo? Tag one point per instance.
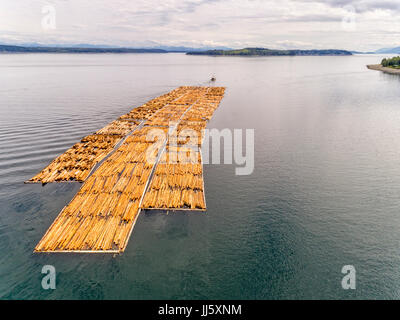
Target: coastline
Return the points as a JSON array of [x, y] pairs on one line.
[[379, 67], [264, 52]]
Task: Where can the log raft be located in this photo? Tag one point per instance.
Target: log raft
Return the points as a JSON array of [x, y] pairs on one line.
[[138, 175], [77, 163]]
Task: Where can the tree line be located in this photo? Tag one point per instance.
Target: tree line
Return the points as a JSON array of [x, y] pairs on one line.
[[393, 62]]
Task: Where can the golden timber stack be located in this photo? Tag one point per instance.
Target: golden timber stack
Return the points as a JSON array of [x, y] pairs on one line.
[[101, 216]]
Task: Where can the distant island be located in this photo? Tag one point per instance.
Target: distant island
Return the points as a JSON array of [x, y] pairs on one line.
[[391, 63], [387, 65], [270, 52], [20, 49]]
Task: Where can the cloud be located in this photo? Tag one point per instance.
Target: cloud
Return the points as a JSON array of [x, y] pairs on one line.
[[232, 23], [361, 5], [287, 44]]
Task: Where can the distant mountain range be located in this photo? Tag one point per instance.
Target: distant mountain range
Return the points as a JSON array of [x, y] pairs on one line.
[[395, 50], [19, 49], [188, 49], [102, 48], [389, 50], [82, 48], [269, 52], [90, 48]]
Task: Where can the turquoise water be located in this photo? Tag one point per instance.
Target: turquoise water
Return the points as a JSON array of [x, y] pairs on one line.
[[324, 193]]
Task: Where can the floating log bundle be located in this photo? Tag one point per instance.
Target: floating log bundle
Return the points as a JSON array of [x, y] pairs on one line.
[[147, 171], [147, 110], [77, 162], [178, 183], [119, 127]]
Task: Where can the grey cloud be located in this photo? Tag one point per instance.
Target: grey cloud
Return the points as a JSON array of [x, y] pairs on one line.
[[232, 23], [361, 6]]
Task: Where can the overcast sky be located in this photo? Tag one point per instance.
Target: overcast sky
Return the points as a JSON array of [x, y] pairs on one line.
[[340, 24]]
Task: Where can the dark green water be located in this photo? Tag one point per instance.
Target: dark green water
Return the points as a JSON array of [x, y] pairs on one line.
[[325, 191]]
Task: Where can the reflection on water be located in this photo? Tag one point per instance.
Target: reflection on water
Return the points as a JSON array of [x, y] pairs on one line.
[[324, 194]]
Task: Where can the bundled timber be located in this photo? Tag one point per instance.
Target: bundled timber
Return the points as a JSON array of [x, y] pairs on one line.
[[77, 162], [177, 186], [147, 110], [151, 169], [178, 180], [119, 127], [100, 216]]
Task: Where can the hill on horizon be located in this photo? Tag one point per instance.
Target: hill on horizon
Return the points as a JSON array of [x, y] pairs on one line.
[[271, 52], [20, 49], [33, 46], [389, 50]]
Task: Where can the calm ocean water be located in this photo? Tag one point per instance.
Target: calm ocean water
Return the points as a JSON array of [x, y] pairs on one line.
[[325, 191]]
